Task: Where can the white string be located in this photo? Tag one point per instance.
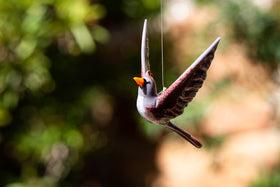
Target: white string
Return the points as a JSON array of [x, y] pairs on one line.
[[161, 40]]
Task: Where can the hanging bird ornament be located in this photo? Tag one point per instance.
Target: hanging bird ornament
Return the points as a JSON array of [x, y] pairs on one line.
[[161, 108]]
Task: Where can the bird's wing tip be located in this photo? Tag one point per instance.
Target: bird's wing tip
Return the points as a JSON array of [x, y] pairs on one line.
[[217, 40]]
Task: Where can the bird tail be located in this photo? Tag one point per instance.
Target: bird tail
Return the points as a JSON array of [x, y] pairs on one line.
[[184, 134]]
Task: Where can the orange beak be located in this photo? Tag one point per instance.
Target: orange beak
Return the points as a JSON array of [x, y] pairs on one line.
[[139, 81]]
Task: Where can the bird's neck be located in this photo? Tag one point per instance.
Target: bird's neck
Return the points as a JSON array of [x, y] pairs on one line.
[[147, 92]]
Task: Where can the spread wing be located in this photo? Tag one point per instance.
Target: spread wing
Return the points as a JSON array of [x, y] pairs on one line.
[[172, 102], [145, 64]]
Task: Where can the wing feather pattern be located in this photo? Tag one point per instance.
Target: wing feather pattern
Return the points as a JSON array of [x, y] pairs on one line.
[[172, 102]]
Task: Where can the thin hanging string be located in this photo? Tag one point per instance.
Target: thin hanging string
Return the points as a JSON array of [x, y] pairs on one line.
[[161, 43]]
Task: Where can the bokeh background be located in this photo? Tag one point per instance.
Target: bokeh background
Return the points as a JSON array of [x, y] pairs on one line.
[[67, 97]]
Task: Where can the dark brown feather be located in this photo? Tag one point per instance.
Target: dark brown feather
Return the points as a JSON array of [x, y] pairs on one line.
[[172, 102]]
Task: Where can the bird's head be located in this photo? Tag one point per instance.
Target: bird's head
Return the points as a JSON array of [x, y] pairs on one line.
[[146, 83]]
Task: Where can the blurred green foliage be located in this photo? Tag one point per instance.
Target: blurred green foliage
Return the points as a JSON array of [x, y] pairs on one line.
[[255, 26], [28, 28], [35, 126], [268, 179], [62, 108]]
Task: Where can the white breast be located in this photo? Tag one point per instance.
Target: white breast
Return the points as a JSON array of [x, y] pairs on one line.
[[140, 106]]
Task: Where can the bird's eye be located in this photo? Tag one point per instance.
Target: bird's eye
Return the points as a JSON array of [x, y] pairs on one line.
[[145, 82]]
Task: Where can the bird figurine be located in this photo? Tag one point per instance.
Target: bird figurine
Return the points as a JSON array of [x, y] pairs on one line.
[[161, 108]]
